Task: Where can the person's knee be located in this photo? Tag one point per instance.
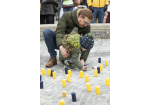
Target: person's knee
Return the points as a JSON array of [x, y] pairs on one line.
[[47, 32]]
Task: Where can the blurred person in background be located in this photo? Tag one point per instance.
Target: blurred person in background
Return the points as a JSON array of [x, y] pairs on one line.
[[83, 4], [68, 5], [108, 10], [59, 9], [47, 11], [98, 7]]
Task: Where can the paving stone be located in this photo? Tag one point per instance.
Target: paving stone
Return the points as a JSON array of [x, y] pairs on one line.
[[51, 94]]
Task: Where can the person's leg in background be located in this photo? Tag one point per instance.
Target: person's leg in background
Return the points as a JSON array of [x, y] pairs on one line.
[[101, 15], [70, 8], [96, 20], [50, 19], [42, 19], [108, 18], [65, 9], [94, 14], [58, 14], [50, 41]]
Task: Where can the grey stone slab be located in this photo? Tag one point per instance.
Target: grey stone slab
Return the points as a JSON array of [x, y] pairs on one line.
[[52, 91]]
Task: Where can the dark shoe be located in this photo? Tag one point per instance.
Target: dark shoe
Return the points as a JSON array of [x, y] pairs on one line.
[[69, 65], [51, 62], [62, 62]]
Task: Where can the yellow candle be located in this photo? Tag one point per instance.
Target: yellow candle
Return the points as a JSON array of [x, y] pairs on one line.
[[62, 102], [81, 74], [101, 67], [107, 81], [64, 94], [88, 87], [69, 72], [54, 74], [49, 72], [43, 71], [86, 78], [64, 83], [98, 90], [68, 78], [95, 73], [106, 62]]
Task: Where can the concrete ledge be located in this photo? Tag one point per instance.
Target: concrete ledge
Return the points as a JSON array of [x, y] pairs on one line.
[[100, 31]]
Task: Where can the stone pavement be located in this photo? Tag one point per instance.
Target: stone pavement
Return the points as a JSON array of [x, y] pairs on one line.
[[51, 94]]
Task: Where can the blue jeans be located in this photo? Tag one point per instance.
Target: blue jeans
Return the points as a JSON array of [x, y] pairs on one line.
[[67, 9], [100, 13], [50, 40]]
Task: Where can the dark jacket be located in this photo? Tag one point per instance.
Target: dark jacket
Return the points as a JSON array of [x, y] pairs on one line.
[[84, 2], [47, 8], [66, 24]]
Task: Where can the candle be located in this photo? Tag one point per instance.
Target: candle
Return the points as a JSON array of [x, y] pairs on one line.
[[95, 73], [101, 67], [99, 60], [49, 72], [64, 94], [62, 102], [107, 81], [98, 68], [43, 71], [106, 62], [86, 67], [54, 74], [73, 96], [66, 70], [41, 84], [86, 78], [81, 74], [64, 83], [69, 72], [98, 90], [88, 87], [68, 78]]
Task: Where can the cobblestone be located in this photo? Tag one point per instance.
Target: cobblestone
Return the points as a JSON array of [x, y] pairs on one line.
[[52, 90]]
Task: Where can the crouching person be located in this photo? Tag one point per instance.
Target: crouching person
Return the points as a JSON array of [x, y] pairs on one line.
[[75, 44]]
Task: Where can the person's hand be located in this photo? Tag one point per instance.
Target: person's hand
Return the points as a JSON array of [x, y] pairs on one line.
[[91, 8], [105, 8], [84, 68], [64, 51], [82, 61]]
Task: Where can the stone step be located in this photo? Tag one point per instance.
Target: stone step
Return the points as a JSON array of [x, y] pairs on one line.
[[100, 31]]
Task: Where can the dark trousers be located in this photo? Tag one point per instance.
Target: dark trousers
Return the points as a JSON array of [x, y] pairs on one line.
[[100, 13], [108, 18], [50, 40], [46, 19], [58, 14]]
